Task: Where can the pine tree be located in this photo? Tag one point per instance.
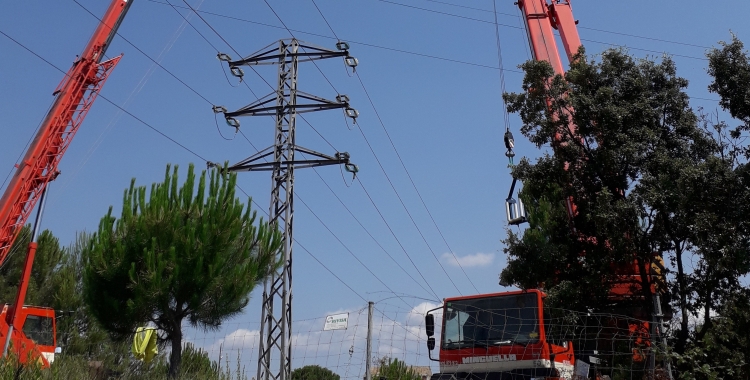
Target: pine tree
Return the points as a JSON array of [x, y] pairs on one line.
[[177, 255]]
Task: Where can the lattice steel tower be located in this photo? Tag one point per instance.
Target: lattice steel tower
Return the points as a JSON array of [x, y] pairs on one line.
[[276, 317]]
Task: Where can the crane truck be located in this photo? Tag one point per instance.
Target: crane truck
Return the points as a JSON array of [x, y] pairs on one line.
[[29, 332], [507, 335]]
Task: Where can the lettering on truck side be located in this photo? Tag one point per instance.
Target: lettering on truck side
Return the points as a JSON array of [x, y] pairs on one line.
[[488, 359]]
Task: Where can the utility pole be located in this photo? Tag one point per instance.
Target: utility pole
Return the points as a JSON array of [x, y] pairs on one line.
[[368, 362], [659, 338], [284, 104]]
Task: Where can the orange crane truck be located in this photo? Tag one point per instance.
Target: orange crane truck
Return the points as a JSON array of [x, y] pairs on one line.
[[28, 331], [507, 336], [500, 336]]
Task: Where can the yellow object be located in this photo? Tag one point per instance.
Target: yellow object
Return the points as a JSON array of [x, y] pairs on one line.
[[144, 343]]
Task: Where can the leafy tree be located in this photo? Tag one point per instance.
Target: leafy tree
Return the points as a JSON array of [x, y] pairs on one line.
[[649, 179], [177, 255], [634, 132], [393, 369], [730, 69], [314, 372], [55, 282], [47, 264], [78, 333]]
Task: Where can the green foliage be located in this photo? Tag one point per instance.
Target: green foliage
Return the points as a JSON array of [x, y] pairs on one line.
[[634, 132], [55, 282], [393, 369], [49, 263], [730, 69], [112, 364], [178, 254], [314, 372], [650, 179]]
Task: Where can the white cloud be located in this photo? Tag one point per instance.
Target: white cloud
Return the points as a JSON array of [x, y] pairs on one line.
[[397, 332], [475, 260], [240, 339], [417, 313]]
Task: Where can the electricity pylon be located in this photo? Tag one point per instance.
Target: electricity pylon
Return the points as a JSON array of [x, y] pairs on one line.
[[279, 158]]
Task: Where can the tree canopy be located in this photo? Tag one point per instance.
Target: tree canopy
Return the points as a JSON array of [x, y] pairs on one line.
[[179, 253], [650, 181], [314, 372], [394, 369]]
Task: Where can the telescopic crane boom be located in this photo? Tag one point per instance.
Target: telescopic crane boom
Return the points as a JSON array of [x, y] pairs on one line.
[[73, 98]]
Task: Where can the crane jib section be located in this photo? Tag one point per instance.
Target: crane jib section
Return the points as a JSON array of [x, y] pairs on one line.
[[73, 99]]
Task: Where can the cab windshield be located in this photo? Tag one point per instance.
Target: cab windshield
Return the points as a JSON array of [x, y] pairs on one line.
[[491, 321]]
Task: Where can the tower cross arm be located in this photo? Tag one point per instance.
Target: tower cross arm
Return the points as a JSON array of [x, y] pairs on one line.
[[257, 162], [306, 52]]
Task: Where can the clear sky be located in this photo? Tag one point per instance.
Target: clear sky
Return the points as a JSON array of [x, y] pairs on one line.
[[430, 69]]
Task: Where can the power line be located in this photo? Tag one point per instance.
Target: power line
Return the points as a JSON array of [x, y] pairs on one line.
[[106, 99], [582, 27], [399, 197], [173, 141], [238, 53], [307, 122], [348, 40], [199, 156], [445, 59], [407, 172], [352, 253], [355, 218], [444, 13], [468, 7], [337, 239], [368, 232], [324, 19], [403, 165], [191, 25], [292, 34], [516, 27], [393, 233], [146, 55]]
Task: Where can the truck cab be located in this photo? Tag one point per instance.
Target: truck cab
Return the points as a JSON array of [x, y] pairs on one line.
[[498, 336], [35, 340]]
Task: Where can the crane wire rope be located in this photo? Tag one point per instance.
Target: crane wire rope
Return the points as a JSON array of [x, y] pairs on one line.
[[178, 144], [335, 236], [508, 137], [393, 145]]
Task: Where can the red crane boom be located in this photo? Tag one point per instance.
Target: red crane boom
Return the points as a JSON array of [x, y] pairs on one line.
[[73, 99], [540, 18]]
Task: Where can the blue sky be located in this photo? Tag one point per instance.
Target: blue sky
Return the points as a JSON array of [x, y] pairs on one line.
[[443, 117]]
